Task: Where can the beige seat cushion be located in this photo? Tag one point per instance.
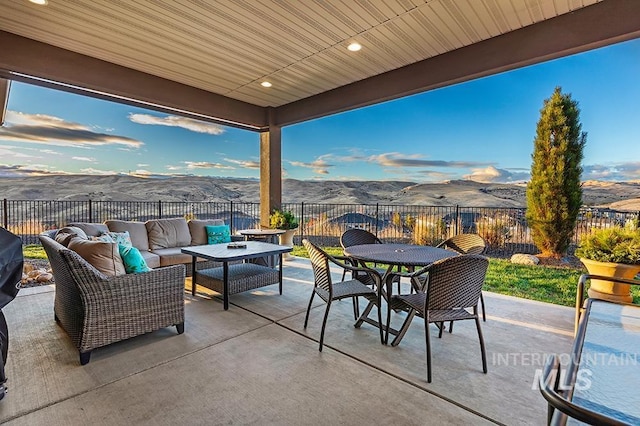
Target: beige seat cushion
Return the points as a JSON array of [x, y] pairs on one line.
[[152, 259], [90, 229], [168, 233], [172, 256], [103, 256], [198, 232], [137, 233]]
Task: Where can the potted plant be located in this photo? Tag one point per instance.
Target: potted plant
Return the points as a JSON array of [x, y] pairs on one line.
[[286, 221], [611, 252]]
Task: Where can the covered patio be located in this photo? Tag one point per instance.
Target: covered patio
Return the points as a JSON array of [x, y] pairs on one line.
[[255, 364], [262, 66]]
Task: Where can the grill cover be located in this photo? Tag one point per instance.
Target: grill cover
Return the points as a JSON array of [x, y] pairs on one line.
[[11, 262]]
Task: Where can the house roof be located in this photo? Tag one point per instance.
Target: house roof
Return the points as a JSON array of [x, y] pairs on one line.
[[208, 59]]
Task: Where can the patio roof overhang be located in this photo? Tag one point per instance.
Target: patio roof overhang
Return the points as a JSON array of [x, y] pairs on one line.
[[206, 62]]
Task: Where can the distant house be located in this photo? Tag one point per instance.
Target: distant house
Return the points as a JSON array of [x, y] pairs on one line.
[[359, 221], [467, 220]]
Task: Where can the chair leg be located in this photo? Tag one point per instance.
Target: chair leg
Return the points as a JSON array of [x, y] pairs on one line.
[[382, 334], [484, 315], [180, 328], [306, 318], [450, 327], [441, 329], [404, 328], [356, 308], [482, 350], [85, 357], [428, 340], [324, 323]]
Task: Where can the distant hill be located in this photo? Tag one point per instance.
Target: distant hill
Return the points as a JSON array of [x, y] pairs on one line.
[[620, 195]]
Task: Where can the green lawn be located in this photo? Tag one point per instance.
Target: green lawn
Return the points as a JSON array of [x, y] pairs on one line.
[[33, 251], [546, 284]]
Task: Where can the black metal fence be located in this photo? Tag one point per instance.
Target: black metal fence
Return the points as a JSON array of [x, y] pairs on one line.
[[505, 229]]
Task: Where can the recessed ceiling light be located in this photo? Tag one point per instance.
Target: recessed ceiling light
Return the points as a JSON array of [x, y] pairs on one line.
[[40, 2], [354, 47], [265, 84]]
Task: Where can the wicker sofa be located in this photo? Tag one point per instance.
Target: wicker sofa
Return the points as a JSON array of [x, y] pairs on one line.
[[96, 310], [160, 240]]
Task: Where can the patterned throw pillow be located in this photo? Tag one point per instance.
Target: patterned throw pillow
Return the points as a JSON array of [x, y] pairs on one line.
[[133, 261], [121, 238], [217, 234]]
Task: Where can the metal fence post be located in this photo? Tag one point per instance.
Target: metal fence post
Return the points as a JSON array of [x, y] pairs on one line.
[[377, 218], [90, 211], [457, 220], [5, 215], [301, 222], [231, 216], [159, 209]]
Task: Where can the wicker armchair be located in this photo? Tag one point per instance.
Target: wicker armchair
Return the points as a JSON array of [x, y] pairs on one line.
[[467, 244], [455, 285], [96, 310], [329, 291]]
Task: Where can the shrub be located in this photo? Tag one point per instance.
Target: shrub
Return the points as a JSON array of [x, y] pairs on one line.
[[617, 245]]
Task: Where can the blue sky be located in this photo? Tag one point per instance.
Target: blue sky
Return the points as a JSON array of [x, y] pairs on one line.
[[481, 130]]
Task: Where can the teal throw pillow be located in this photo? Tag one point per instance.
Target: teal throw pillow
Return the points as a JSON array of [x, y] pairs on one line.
[[133, 261], [217, 234]]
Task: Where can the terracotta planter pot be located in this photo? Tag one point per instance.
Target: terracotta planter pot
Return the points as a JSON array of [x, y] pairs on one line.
[[286, 239], [607, 290]]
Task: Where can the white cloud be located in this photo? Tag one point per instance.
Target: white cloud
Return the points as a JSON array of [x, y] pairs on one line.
[[92, 171], [612, 172], [176, 121], [492, 174], [247, 164], [396, 159], [47, 129], [87, 159], [206, 165], [319, 165]]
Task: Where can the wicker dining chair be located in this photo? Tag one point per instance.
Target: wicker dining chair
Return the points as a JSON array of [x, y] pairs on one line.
[[454, 287], [329, 291], [466, 244], [356, 237]]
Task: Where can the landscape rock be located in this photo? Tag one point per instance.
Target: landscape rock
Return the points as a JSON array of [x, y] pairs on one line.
[[34, 275], [524, 259]]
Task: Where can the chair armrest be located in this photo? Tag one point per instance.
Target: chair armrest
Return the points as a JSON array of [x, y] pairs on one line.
[[413, 276], [581, 287], [548, 384], [344, 264]]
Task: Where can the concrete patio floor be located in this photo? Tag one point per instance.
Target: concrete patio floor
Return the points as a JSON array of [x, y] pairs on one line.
[[255, 364]]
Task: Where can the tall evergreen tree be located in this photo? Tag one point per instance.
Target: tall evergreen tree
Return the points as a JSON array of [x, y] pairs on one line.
[[554, 193]]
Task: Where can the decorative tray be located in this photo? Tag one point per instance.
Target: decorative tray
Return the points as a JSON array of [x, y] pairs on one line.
[[236, 245]]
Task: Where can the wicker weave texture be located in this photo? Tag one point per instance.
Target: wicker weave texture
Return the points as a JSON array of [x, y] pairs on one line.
[[465, 244], [356, 237], [456, 282], [242, 277], [97, 310]]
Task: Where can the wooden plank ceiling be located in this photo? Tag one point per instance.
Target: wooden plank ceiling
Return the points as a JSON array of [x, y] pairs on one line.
[[228, 47]]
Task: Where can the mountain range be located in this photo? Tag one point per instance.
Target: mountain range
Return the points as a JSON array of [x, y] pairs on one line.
[[616, 195]]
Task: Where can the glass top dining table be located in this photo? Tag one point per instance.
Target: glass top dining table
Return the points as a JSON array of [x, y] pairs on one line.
[[393, 255]]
